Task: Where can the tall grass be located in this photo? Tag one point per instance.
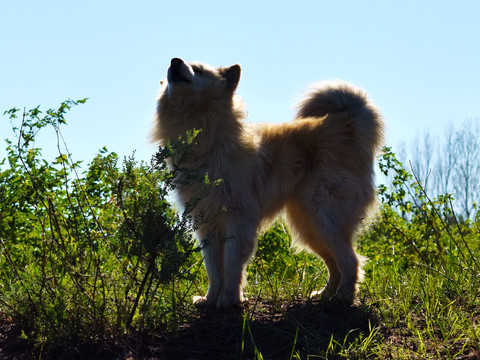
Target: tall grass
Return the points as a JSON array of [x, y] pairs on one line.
[[424, 273]]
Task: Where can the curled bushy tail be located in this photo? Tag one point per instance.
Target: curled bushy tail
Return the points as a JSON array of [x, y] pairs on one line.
[[331, 97], [352, 106]]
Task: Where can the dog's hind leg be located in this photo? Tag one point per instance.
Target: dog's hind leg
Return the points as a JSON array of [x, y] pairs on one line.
[[338, 238], [330, 235], [308, 234], [239, 247]]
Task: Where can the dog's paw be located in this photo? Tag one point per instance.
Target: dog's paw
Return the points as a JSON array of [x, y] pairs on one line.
[[200, 301], [228, 299], [322, 295], [341, 299]]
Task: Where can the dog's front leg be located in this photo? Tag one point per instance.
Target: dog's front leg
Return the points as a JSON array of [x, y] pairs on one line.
[[239, 247], [213, 259]]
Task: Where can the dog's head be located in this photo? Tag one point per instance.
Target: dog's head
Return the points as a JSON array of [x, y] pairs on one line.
[[197, 96], [200, 82]]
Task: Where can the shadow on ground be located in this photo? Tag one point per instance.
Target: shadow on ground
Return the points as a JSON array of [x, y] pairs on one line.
[[275, 330]]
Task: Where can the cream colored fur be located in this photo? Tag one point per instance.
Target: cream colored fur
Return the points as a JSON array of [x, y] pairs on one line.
[[317, 168]]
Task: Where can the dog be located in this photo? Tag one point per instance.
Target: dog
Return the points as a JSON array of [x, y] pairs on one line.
[[318, 170]]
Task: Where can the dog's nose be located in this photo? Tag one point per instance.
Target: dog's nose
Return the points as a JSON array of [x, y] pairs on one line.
[[176, 62]]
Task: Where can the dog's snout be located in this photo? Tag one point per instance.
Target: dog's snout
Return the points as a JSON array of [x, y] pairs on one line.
[[179, 72], [176, 62]]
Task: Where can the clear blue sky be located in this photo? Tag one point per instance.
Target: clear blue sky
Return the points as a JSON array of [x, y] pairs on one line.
[[419, 60]]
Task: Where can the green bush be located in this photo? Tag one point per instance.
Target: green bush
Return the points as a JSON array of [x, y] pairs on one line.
[[94, 255]]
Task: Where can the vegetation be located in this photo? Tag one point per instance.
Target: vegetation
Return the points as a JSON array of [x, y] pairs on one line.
[[97, 263], [450, 165]]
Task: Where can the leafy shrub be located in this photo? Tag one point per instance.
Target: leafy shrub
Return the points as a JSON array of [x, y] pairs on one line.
[[415, 231], [93, 255]]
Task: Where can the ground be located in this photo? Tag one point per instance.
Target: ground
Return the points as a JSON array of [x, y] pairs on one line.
[[274, 329]]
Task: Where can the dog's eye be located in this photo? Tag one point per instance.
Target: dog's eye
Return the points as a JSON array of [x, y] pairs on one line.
[[198, 71]]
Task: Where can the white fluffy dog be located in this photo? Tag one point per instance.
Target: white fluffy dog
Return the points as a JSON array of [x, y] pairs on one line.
[[317, 168]]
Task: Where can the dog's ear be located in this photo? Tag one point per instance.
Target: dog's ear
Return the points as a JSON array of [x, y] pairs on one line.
[[232, 76]]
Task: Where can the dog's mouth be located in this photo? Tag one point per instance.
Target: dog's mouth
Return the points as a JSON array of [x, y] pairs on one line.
[[179, 72]]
